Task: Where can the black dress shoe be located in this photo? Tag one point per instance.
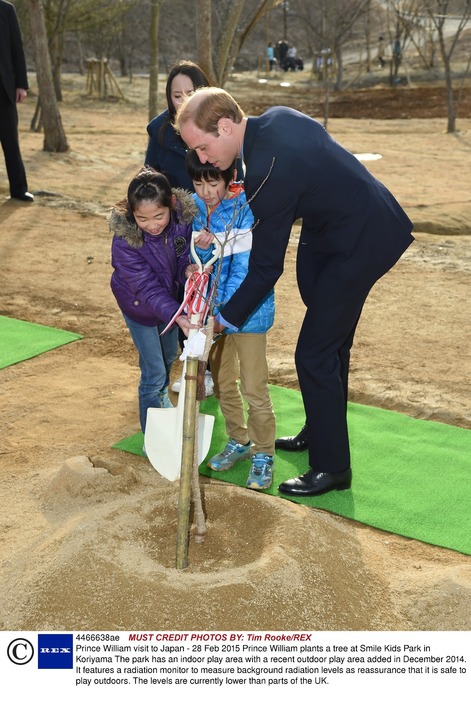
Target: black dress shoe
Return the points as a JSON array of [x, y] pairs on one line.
[[315, 483], [293, 443], [24, 197]]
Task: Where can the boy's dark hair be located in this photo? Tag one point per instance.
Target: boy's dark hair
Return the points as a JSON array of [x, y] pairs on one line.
[[206, 171], [148, 185]]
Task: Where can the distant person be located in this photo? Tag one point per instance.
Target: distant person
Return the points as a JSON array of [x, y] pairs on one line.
[[299, 62], [238, 357], [271, 56], [381, 49], [282, 47], [290, 61], [150, 254], [397, 57], [13, 90], [353, 231]]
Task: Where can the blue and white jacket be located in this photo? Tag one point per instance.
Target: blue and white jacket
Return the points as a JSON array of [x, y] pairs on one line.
[[231, 222]]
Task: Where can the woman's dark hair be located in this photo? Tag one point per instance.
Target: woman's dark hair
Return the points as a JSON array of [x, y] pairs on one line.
[[197, 76], [206, 171], [148, 185]]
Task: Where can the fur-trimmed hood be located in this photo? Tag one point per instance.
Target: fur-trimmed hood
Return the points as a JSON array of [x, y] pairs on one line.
[[127, 229]]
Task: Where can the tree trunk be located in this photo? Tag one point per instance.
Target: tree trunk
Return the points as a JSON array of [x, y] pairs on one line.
[[54, 135], [368, 37], [154, 58], [224, 56], [451, 112], [339, 61], [188, 459], [204, 38]]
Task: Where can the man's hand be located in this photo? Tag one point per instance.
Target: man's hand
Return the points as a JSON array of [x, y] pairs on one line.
[[218, 328], [21, 95]]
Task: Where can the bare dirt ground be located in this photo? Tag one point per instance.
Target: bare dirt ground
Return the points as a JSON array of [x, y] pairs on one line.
[[88, 533]]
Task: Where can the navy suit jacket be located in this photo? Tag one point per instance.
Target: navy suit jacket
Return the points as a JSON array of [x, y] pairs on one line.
[[12, 58], [296, 170]]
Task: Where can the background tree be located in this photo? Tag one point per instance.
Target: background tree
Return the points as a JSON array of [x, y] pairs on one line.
[[412, 23], [234, 19], [330, 25], [204, 37], [450, 26], [154, 57], [98, 24], [449, 20], [54, 135]]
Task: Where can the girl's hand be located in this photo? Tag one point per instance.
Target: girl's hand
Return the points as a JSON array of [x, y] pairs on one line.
[[204, 239], [193, 268], [185, 324]]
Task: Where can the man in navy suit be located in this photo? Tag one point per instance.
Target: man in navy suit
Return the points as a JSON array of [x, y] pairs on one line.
[[353, 231], [13, 89]]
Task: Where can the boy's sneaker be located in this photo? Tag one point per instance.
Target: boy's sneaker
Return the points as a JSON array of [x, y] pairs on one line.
[[165, 401], [232, 453], [261, 472]]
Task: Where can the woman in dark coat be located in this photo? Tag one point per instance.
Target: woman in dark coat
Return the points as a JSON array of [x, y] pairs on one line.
[[166, 151]]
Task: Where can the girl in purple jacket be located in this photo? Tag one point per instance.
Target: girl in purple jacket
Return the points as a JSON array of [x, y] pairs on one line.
[[150, 255]]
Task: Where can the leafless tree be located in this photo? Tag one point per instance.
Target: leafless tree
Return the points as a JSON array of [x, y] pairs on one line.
[[440, 13], [54, 135], [330, 25], [99, 21], [217, 51], [448, 19], [154, 57]]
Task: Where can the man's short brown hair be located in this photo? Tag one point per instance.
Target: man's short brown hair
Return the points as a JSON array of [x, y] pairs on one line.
[[205, 107]]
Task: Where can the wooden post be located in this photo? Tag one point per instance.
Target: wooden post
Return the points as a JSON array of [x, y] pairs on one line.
[[200, 518], [101, 80], [189, 429]]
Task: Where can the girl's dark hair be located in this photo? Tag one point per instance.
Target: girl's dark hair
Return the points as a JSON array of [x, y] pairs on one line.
[[206, 171], [197, 76], [148, 185]]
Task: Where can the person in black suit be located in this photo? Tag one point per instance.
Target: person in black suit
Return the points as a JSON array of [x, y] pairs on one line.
[[353, 231], [13, 89]]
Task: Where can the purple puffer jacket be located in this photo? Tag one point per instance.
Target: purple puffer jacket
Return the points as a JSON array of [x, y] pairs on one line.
[[149, 269]]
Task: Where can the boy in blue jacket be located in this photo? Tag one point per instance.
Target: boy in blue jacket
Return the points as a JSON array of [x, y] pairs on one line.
[[236, 356]]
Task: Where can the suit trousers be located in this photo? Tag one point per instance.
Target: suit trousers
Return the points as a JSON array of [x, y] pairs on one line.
[[10, 145], [244, 356], [334, 296]]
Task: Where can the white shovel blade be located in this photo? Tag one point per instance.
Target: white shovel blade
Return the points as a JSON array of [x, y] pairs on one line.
[[164, 438]]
